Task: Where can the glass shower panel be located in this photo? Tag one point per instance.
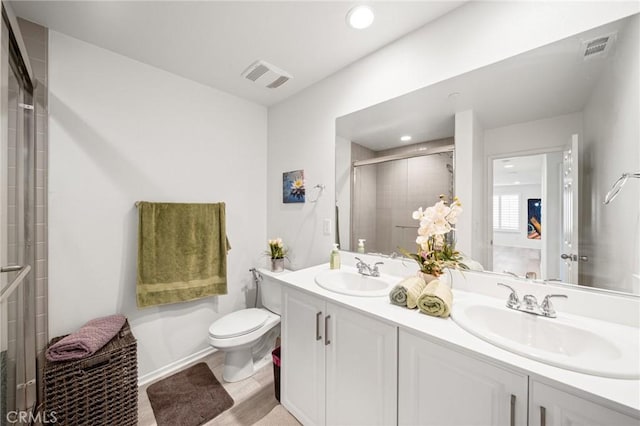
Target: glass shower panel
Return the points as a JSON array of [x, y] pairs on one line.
[[17, 223]]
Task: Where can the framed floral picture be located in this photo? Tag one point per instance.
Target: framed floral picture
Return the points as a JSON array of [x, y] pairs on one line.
[[293, 187]]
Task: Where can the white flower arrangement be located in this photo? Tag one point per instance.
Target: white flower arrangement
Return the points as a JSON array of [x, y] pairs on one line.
[[277, 249], [435, 252]]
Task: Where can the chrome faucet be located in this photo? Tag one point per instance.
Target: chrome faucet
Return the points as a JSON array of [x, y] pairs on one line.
[[530, 305], [368, 270]]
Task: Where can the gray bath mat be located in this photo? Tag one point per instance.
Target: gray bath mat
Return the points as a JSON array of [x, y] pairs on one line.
[[188, 398]]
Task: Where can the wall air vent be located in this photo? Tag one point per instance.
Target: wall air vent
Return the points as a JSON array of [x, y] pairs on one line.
[[266, 74], [598, 47]]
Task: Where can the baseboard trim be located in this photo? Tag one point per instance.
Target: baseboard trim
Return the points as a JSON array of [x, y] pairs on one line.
[[174, 366]]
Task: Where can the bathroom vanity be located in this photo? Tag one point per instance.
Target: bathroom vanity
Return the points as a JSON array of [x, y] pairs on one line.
[[354, 359]]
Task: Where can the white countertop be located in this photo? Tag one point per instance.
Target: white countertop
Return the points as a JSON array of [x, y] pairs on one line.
[[619, 394]]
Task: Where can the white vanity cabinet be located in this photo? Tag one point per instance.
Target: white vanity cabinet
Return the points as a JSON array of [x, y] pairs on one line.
[[440, 386], [338, 366], [552, 407]]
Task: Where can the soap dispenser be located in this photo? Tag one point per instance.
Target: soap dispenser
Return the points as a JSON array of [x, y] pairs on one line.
[[334, 258], [361, 246]]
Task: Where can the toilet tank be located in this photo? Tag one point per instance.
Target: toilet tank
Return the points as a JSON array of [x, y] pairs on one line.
[[271, 290]]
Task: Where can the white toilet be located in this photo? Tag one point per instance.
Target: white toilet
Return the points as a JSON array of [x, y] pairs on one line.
[[248, 336]]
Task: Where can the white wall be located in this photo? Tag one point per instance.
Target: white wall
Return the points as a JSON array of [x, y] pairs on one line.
[[549, 134], [612, 146], [469, 143], [302, 128], [343, 190], [122, 131]]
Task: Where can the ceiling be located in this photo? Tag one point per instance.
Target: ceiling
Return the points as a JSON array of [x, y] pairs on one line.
[[553, 79], [212, 42], [525, 170]]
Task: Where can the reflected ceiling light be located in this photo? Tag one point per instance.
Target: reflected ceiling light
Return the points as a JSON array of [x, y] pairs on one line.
[[509, 166], [405, 138], [360, 17], [516, 182]]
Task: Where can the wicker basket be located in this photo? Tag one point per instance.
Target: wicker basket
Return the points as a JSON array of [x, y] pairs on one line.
[[99, 390]]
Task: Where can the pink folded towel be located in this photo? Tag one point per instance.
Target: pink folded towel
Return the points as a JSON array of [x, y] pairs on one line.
[[85, 342]]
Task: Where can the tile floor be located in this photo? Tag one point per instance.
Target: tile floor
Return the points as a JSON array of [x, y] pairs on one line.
[[254, 400]]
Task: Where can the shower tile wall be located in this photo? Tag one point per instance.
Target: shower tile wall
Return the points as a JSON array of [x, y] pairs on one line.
[[403, 186], [36, 40]]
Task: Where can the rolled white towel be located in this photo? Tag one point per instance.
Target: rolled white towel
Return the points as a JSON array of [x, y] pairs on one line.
[[414, 289], [436, 299]]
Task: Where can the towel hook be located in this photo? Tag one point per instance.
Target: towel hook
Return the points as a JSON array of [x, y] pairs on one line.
[[321, 189]]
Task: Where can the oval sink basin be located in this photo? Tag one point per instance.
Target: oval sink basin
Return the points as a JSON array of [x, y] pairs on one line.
[[600, 349], [347, 281]]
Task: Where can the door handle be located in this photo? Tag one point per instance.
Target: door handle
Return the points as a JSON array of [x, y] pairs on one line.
[[572, 257], [512, 411], [318, 336], [326, 330]]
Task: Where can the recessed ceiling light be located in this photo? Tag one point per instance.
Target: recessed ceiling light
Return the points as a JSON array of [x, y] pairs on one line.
[[360, 17], [405, 138], [509, 166]]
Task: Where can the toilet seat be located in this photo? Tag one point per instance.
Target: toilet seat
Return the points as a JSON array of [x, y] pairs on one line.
[[238, 323]]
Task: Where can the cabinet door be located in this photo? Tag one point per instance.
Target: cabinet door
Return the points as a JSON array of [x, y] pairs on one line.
[[361, 369], [303, 357], [439, 386], [553, 407]]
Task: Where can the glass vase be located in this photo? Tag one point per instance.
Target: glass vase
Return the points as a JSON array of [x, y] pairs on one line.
[[277, 265]]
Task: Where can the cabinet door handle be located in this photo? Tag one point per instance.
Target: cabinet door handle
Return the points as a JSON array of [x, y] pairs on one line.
[[512, 411], [543, 416], [318, 336], [326, 330]]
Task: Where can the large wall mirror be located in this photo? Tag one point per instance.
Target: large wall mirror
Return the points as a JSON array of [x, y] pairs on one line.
[[554, 129]]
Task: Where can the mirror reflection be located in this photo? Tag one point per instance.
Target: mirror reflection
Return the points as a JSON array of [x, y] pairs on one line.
[[548, 132]]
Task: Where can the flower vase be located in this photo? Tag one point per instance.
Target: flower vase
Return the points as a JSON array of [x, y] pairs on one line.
[[426, 277], [277, 265]]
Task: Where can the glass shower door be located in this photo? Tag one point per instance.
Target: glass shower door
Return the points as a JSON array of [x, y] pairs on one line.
[[18, 391]]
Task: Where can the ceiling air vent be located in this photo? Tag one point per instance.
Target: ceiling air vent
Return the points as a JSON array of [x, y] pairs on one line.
[[598, 47], [266, 74]]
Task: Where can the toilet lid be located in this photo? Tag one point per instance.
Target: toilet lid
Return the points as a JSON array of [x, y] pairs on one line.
[[238, 323]]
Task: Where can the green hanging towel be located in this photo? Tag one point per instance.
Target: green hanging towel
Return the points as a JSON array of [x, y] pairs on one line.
[[182, 252]]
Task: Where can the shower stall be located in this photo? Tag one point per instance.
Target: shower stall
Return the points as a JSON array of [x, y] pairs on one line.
[[387, 189], [18, 386]]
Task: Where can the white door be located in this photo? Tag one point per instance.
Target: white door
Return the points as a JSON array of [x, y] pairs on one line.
[[569, 256], [361, 373], [552, 407], [439, 386], [303, 357]]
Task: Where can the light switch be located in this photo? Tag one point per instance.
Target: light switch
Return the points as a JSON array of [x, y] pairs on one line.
[[326, 227]]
